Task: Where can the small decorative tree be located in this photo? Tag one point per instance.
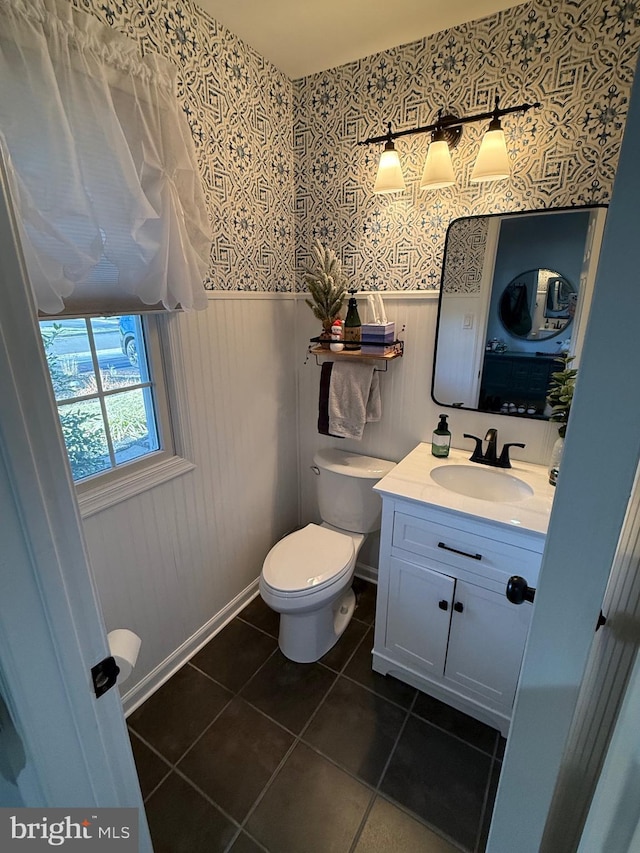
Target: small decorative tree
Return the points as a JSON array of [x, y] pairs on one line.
[[327, 285], [560, 394]]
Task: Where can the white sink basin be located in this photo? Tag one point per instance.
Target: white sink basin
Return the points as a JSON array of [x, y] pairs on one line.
[[484, 483]]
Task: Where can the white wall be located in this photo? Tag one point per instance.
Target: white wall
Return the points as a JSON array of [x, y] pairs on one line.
[[409, 415], [167, 561]]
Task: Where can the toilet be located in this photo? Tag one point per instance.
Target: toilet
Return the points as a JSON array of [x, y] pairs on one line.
[[306, 577]]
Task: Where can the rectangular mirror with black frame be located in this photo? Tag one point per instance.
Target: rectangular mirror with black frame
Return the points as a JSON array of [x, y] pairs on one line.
[[515, 294]]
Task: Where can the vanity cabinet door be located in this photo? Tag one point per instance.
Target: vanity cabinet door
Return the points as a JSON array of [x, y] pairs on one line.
[[486, 644], [418, 616]]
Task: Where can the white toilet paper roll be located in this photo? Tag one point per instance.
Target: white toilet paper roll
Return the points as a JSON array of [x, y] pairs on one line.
[[124, 646]]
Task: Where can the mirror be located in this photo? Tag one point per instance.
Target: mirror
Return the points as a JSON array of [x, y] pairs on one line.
[[515, 293], [537, 304]]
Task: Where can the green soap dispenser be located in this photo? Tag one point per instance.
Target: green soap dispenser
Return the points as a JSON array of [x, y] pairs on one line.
[[441, 439]]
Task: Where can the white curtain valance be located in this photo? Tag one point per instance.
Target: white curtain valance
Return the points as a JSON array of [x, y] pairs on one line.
[[105, 179]]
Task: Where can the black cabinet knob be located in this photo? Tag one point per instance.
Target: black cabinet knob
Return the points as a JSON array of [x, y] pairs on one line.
[[458, 607], [443, 605], [519, 591]]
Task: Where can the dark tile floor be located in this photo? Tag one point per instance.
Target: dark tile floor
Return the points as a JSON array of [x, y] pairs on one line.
[[245, 751]]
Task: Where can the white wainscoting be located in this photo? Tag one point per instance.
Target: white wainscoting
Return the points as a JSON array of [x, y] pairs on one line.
[[409, 415], [168, 562]]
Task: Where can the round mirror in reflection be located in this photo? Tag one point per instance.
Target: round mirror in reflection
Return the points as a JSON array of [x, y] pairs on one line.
[[537, 304]]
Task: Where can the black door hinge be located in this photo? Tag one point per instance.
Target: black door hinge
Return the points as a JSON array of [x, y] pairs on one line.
[[104, 675]]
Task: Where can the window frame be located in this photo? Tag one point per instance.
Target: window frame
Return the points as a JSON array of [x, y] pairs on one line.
[[116, 484]]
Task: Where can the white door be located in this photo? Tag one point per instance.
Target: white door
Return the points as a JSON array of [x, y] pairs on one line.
[[613, 823], [601, 457], [64, 747]]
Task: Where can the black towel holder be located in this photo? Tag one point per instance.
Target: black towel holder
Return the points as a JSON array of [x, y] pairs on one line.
[[318, 347]]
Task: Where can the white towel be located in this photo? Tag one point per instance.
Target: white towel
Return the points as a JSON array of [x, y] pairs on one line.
[[354, 398]]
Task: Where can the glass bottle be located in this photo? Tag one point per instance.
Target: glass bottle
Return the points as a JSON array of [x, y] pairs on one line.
[[352, 325]]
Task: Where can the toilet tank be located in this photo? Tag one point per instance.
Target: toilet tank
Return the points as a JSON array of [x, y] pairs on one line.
[[345, 489]]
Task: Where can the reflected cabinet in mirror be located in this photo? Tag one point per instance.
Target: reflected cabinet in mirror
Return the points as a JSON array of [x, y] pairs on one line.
[[515, 293]]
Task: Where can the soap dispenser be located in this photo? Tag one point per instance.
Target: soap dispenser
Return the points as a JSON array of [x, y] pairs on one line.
[[441, 439]]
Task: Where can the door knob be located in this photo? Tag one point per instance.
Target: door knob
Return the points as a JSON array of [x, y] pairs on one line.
[[458, 607], [444, 604], [519, 591]]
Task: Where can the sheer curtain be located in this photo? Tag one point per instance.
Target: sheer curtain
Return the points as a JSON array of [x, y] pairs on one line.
[[103, 166]]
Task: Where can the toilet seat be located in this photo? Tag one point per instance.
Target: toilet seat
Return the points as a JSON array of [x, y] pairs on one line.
[[308, 560]]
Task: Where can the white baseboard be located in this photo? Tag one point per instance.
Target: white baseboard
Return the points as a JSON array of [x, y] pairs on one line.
[[367, 573], [133, 698]]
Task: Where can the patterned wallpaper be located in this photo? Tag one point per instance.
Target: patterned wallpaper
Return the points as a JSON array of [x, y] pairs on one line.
[[280, 163], [240, 111], [467, 241], [576, 57]]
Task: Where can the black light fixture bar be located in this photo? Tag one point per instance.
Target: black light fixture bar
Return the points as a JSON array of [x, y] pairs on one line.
[[451, 121]]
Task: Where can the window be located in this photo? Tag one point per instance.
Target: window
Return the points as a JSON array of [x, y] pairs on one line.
[[109, 389]]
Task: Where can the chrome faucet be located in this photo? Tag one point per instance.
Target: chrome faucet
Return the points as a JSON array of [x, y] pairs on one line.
[[490, 455]]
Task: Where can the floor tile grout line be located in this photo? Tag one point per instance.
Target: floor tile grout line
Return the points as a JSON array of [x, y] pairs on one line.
[[483, 811], [220, 684], [173, 766], [253, 625], [284, 759], [396, 742], [206, 796], [204, 731], [254, 840], [350, 658], [150, 746], [489, 755], [298, 738], [268, 784], [210, 677], [436, 830], [379, 793], [363, 822], [494, 763], [372, 690], [319, 705]]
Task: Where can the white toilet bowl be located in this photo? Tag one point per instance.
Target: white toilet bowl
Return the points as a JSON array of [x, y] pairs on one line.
[[306, 578]]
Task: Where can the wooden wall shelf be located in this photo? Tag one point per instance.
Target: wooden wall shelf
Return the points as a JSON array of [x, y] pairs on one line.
[[317, 350]]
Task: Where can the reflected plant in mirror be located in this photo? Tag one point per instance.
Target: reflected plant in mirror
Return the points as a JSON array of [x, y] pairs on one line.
[[515, 294]]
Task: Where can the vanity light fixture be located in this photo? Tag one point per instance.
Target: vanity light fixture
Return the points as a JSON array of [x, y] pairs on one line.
[[438, 168], [389, 178], [492, 163]]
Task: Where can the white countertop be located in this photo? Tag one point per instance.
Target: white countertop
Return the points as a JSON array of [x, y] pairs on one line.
[[411, 480]]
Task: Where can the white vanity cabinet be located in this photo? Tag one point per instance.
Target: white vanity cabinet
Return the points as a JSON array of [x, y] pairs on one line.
[[443, 622]]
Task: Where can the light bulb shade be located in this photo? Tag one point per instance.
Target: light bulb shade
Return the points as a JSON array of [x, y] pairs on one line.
[[493, 160], [438, 169], [389, 178]]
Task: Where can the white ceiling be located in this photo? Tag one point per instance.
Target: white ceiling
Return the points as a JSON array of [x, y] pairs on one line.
[[302, 37]]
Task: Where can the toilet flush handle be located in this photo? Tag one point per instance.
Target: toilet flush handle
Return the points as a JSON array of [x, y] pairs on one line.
[[315, 470]]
